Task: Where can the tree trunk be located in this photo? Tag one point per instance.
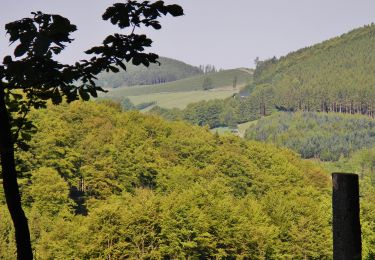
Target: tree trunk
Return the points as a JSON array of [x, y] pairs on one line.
[[11, 190]]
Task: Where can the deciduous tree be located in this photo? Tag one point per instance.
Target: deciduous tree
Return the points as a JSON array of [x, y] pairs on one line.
[[34, 76]]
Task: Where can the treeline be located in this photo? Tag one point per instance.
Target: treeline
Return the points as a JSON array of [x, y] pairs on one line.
[[99, 183], [316, 135], [208, 68], [169, 70], [334, 76], [215, 113]]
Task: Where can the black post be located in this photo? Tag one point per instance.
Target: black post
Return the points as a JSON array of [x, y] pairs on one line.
[[346, 226]]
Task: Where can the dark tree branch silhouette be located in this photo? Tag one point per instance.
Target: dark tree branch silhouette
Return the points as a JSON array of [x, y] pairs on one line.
[[33, 76]]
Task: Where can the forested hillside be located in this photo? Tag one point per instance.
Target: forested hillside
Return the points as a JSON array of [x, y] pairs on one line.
[[326, 136], [336, 75], [218, 112], [168, 70], [103, 184], [338, 143]]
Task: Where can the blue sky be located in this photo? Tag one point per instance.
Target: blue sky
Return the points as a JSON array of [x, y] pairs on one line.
[[225, 33]]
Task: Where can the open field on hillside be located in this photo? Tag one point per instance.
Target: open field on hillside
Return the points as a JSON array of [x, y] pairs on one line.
[[182, 99], [219, 80]]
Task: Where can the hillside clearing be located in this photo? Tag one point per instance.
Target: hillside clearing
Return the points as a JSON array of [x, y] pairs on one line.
[[181, 99], [219, 79]]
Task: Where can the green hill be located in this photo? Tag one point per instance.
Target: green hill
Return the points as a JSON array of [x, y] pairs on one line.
[[112, 182], [180, 93], [169, 70], [219, 79], [336, 75]]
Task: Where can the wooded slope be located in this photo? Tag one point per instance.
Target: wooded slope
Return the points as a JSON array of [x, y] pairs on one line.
[[99, 183], [326, 136], [336, 75]]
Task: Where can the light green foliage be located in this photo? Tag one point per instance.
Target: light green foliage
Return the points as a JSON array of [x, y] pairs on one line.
[[7, 245], [362, 162], [329, 135], [368, 217], [48, 193], [147, 188], [213, 113], [228, 112]]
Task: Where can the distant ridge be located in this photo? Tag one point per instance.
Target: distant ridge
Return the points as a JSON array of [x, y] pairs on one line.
[[169, 70], [221, 79]]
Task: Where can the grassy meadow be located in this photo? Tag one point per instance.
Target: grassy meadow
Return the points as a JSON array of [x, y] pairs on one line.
[[181, 99], [219, 79]]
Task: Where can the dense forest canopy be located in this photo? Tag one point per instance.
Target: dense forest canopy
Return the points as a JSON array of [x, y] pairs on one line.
[[100, 180], [326, 136], [32, 76], [116, 184]]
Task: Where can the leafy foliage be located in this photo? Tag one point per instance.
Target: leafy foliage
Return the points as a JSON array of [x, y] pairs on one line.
[[44, 35], [214, 113], [142, 187], [33, 77]]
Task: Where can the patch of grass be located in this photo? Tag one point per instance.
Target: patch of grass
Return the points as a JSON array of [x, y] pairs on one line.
[[219, 79], [181, 99], [221, 130], [242, 127]]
